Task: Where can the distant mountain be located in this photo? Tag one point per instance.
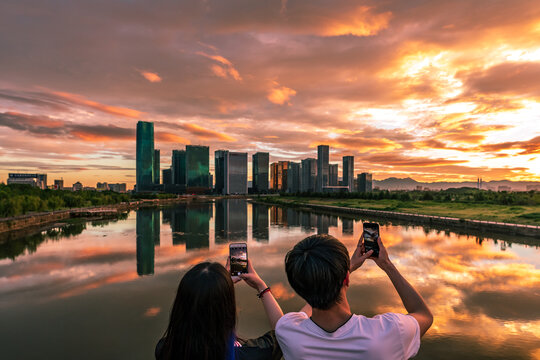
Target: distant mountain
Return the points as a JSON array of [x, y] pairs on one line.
[[411, 184]]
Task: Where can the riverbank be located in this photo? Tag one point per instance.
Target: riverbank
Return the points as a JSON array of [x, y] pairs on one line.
[[41, 219], [475, 220]]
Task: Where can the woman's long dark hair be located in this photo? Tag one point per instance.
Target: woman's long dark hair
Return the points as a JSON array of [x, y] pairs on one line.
[[203, 317]]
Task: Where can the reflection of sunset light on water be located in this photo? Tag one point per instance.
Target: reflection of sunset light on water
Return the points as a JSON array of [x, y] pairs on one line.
[[460, 276]]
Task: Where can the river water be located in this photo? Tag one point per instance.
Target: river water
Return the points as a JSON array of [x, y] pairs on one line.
[[103, 290]]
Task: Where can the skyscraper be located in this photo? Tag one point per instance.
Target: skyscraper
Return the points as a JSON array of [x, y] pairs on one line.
[[167, 177], [156, 166], [197, 168], [238, 173], [323, 152], [365, 183], [178, 167], [221, 170], [333, 174], [294, 178], [260, 172], [145, 156], [309, 175], [282, 170], [348, 172], [231, 172], [273, 176]]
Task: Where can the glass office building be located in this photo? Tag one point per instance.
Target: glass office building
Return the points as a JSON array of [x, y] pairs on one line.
[[156, 166], [294, 178], [323, 153], [333, 174], [348, 172], [197, 167], [237, 173], [260, 164], [145, 156], [178, 167], [309, 175], [365, 182], [221, 169]]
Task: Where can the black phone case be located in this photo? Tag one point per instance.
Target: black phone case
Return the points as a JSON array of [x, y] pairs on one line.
[[368, 245]]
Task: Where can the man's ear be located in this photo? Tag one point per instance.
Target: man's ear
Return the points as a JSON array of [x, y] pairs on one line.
[[346, 281]]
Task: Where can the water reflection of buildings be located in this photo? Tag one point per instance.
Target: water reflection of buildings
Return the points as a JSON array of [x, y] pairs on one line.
[[347, 226], [148, 231], [231, 220], [260, 230]]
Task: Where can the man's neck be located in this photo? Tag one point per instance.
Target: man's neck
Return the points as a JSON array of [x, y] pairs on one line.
[[332, 319]]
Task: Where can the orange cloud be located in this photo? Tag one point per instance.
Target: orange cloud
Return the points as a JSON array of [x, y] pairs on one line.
[[225, 71], [113, 110], [151, 312], [150, 76], [280, 291], [280, 94], [359, 22], [206, 134], [171, 138]]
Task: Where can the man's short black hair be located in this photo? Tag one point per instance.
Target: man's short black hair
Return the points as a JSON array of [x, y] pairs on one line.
[[316, 268]]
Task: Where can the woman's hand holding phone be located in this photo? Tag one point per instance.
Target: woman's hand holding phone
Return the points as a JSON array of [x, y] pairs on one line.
[[234, 278], [253, 279]]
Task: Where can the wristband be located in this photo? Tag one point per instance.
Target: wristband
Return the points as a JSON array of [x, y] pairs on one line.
[[259, 295]]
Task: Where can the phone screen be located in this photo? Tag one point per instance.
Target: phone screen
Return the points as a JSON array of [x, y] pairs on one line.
[[238, 256], [371, 233]]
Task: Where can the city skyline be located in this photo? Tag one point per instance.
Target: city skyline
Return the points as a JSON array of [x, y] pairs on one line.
[[431, 91]]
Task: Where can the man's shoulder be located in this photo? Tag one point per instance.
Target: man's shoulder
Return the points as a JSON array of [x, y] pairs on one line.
[[291, 319]]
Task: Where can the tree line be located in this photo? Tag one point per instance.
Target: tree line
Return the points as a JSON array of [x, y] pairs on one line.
[[457, 195], [18, 199]]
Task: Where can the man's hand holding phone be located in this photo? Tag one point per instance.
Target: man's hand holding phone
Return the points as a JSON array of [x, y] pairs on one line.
[[360, 255]]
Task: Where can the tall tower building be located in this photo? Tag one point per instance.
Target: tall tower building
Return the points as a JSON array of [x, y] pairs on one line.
[[221, 170], [238, 173], [231, 172], [178, 167], [294, 178], [323, 152], [197, 168], [167, 176], [282, 173], [156, 166], [309, 175], [365, 182], [273, 176], [260, 172], [333, 174], [145, 156], [348, 172]]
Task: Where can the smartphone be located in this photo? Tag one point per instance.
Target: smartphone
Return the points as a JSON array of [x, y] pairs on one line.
[[371, 234], [238, 258]]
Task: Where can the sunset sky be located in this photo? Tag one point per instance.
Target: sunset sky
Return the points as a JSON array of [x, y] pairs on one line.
[[434, 90]]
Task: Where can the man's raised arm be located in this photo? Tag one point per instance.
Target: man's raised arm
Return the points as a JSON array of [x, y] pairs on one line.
[[412, 300]]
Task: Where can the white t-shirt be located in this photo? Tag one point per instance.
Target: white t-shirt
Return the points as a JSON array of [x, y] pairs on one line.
[[384, 337]]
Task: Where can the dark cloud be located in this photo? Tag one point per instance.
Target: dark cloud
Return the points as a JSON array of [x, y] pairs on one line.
[[511, 78]]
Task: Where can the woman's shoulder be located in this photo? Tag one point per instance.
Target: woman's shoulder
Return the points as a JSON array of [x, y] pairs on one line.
[[159, 349], [262, 348]]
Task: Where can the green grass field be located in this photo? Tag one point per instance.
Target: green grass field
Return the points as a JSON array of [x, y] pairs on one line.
[[526, 214]]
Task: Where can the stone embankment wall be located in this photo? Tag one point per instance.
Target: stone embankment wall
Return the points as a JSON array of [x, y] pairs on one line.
[[40, 219], [508, 228]]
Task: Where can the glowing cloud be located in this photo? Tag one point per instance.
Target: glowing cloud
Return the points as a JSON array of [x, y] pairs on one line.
[[150, 76], [113, 110], [226, 70], [280, 94], [360, 22], [206, 134]]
